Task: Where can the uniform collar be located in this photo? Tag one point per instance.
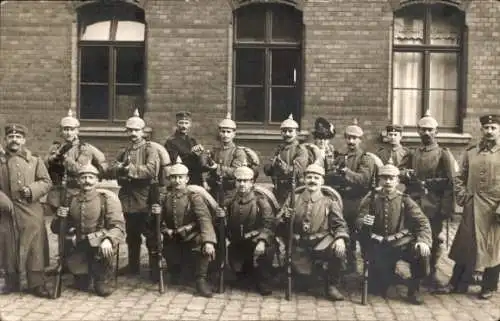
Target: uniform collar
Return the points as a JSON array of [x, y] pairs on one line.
[[87, 196], [396, 148], [312, 197], [23, 153], [181, 135], [179, 193], [492, 146], [294, 142], [391, 195], [358, 150], [429, 147], [228, 146], [246, 198], [136, 146]]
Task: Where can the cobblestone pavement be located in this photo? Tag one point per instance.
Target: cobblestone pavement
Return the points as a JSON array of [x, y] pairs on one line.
[[138, 299]]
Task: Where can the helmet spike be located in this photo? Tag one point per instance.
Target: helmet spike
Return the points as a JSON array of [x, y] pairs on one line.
[[136, 113], [228, 115]]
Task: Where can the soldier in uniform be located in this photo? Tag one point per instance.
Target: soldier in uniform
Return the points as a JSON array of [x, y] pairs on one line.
[[250, 230], [320, 231], [323, 132], [393, 150], [187, 230], [180, 144], [68, 157], [136, 170], [290, 158], [8, 248], [476, 247], [352, 176], [397, 229], [95, 227], [222, 161], [24, 179], [432, 188]]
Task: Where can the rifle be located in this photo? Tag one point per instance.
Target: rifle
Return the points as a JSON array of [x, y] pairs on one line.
[[221, 233], [159, 244], [57, 291], [288, 292], [368, 242]]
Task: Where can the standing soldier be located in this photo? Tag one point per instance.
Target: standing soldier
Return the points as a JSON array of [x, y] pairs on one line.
[[290, 158], [250, 225], [8, 248], [352, 176], [24, 179], [136, 170], [431, 186], [95, 227], [323, 132], [187, 230], [393, 150], [68, 157], [476, 247], [180, 144]]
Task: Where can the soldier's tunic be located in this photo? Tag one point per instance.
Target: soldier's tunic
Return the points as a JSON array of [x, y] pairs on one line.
[[180, 145], [328, 155], [180, 209], [401, 158], [80, 153], [93, 217], [16, 171], [476, 246], [394, 212], [292, 154]]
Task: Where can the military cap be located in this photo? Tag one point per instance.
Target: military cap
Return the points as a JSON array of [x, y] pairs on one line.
[[69, 120], [88, 169], [323, 129], [316, 169], [16, 129], [427, 121], [183, 115], [394, 128], [135, 122], [354, 129], [178, 168], [244, 172], [388, 169], [489, 119], [289, 123], [227, 122]]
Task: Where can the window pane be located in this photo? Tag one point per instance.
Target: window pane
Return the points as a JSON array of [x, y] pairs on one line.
[[443, 70], [406, 106], [94, 103], [409, 25], [130, 31], [284, 101], [249, 104], [130, 65], [128, 98], [94, 64], [251, 23], [285, 67], [287, 24], [446, 22], [443, 106], [250, 66], [98, 31], [407, 70]]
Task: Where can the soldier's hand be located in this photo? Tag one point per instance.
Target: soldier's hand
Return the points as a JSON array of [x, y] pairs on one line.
[[423, 249], [209, 250], [220, 213], [260, 248], [168, 232], [106, 249], [25, 192], [197, 149], [287, 212], [339, 247], [62, 211], [369, 220], [156, 209]]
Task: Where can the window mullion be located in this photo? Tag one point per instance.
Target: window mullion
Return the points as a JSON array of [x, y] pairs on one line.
[[112, 82], [268, 67], [426, 62]]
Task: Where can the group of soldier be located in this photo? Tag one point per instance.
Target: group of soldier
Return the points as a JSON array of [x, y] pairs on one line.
[[198, 208]]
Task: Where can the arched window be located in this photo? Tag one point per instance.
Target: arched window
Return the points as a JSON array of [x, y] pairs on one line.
[[429, 64], [267, 63], [111, 61]]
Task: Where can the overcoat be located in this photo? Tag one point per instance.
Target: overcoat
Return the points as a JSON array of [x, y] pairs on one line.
[[8, 235]]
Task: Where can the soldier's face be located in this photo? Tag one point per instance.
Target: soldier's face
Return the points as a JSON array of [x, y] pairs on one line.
[[313, 181], [352, 142], [135, 135], [491, 131], [88, 181], [183, 126], [69, 133], [244, 186], [394, 138], [427, 134], [15, 141], [288, 134], [179, 181], [226, 135], [388, 182]]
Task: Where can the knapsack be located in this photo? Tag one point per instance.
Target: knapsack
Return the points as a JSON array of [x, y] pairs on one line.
[[313, 151], [252, 158]]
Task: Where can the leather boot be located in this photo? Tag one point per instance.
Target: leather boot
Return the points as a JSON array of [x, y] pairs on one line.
[[262, 282], [203, 288], [414, 295], [154, 271], [12, 283], [134, 263], [352, 264], [40, 291], [332, 279]]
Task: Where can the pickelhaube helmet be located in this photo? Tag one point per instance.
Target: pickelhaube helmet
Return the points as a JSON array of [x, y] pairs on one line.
[[427, 121], [135, 122], [354, 129], [69, 120], [388, 169], [316, 169], [178, 168], [88, 169], [227, 122], [289, 123], [244, 172]]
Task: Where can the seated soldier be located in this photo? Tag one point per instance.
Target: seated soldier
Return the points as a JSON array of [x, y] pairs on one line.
[[320, 231], [250, 225], [95, 226], [186, 229], [397, 230]]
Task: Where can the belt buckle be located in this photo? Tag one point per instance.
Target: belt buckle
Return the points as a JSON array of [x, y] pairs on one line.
[[306, 226]]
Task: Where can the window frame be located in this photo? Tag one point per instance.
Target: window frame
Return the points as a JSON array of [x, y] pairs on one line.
[[426, 50], [268, 45]]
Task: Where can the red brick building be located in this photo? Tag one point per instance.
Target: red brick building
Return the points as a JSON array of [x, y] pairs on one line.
[[376, 60]]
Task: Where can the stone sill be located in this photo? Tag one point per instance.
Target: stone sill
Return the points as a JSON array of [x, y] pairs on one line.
[[443, 138], [265, 134], [106, 131]]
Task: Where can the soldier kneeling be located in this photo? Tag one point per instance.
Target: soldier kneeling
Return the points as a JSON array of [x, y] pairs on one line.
[[393, 228], [95, 226], [320, 231]]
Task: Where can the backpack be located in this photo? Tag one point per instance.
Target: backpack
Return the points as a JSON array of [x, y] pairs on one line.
[[252, 158], [314, 153]]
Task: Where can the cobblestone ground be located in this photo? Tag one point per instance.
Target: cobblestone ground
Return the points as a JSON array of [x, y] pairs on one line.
[[138, 299]]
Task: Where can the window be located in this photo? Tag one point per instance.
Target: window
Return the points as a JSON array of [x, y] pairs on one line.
[[267, 63], [429, 64], [111, 61]]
